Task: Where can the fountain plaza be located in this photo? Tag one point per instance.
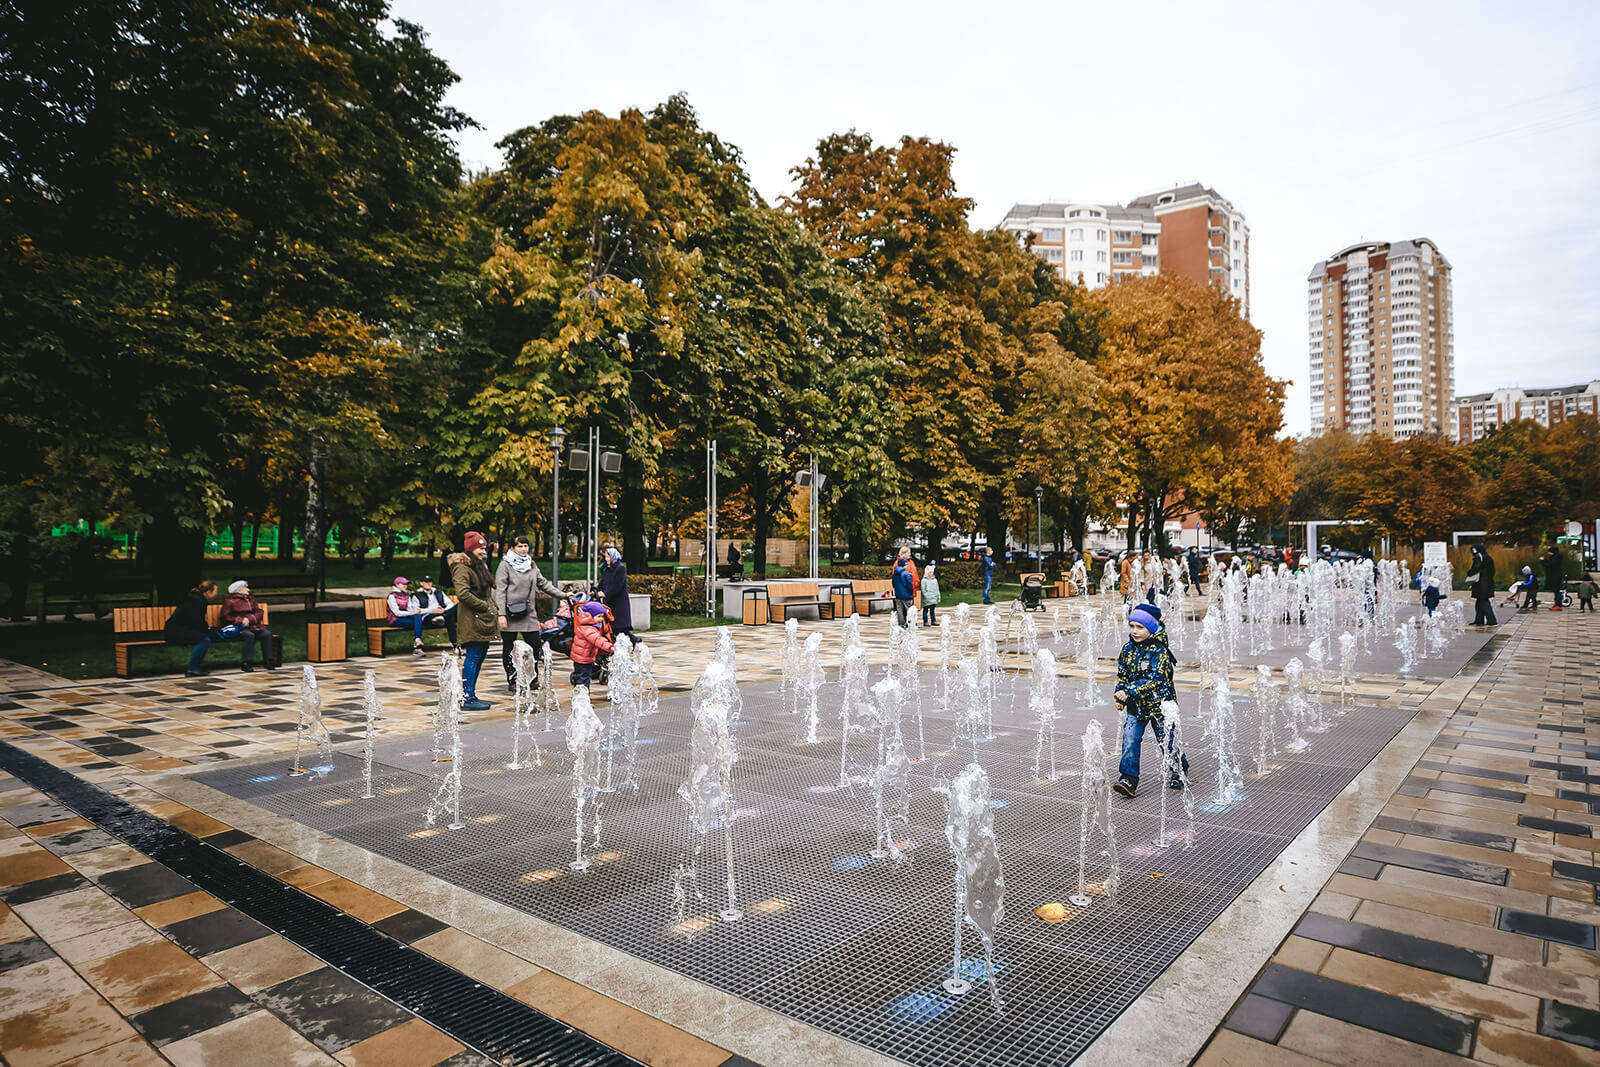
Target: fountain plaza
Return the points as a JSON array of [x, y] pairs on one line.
[[892, 845]]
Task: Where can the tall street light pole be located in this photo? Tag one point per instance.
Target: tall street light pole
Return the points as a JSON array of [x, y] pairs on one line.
[[1038, 522], [557, 435]]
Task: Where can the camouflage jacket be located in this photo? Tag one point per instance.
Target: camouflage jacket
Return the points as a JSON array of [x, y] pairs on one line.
[[1144, 672]]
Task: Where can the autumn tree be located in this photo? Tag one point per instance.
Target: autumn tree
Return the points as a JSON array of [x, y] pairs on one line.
[[1413, 489], [1193, 417], [1571, 452], [1523, 502]]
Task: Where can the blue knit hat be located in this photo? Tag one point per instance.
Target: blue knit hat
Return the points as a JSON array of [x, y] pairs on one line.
[[1146, 615]]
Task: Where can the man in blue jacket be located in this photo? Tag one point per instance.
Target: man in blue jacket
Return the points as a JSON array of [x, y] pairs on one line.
[[905, 586], [986, 561]]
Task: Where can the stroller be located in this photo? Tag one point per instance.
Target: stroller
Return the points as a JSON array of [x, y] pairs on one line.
[[1033, 592], [557, 632]]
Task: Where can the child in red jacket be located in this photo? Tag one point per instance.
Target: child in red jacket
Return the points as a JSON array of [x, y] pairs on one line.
[[589, 640]]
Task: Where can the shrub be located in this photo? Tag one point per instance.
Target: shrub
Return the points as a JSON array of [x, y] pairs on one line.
[[855, 572], [671, 594], [960, 574]]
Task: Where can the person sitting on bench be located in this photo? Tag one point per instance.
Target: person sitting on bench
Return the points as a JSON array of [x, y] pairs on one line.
[[436, 606], [243, 610], [404, 611], [187, 626]]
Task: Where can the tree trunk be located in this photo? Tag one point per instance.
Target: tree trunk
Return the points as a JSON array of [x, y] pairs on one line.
[[173, 556], [315, 535], [386, 549], [237, 529], [255, 534], [630, 519]]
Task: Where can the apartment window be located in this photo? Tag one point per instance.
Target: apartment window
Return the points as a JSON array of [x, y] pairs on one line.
[[1051, 255], [1077, 255], [1101, 278], [1099, 235], [1077, 231], [1122, 237], [1150, 239], [1053, 235], [1122, 259]]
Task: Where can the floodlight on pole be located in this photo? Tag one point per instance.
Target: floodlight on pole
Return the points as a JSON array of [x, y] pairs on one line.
[[1038, 519]]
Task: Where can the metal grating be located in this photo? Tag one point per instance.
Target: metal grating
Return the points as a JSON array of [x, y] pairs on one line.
[[831, 936]]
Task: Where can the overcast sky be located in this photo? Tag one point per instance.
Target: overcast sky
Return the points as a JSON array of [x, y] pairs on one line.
[[1474, 124]]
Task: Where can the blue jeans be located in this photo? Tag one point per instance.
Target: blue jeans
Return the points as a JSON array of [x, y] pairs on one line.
[[582, 673], [471, 664], [197, 658], [988, 584], [1133, 737]]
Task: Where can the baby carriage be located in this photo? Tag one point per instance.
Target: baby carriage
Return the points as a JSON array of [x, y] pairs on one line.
[[557, 632], [1033, 592]]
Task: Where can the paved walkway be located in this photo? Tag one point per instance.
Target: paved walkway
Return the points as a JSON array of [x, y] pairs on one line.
[[1462, 925]]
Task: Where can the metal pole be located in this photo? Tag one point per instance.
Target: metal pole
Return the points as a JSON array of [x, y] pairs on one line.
[[555, 519], [711, 529], [816, 539], [594, 506]]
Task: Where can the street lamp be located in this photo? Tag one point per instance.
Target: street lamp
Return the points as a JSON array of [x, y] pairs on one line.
[[557, 435], [812, 480], [1038, 520]]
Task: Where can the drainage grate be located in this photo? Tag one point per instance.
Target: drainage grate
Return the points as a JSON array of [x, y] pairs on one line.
[[482, 1018], [831, 936]]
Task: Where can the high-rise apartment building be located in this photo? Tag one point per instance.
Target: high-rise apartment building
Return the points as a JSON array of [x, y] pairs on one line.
[[1481, 413], [1382, 340], [1189, 230]]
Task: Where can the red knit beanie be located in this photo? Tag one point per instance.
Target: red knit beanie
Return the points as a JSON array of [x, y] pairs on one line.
[[474, 540]]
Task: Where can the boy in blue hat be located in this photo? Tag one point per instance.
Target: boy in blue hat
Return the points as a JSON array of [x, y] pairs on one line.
[[1144, 680]]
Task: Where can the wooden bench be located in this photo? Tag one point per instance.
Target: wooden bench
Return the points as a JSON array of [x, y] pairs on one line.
[[863, 594], [153, 620], [299, 583], [795, 595], [129, 592], [377, 609]]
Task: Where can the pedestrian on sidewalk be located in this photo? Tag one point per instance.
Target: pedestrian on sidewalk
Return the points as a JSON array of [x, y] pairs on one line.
[[515, 583], [1481, 585], [930, 593], [986, 564], [1529, 587], [475, 618], [905, 587], [1555, 577], [1144, 680], [1586, 592], [614, 591]]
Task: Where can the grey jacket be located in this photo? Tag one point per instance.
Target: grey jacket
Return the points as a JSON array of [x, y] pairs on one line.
[[511, 587]]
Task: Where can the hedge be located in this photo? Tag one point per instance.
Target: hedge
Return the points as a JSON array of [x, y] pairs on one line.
[[671, 594], [856, 572]]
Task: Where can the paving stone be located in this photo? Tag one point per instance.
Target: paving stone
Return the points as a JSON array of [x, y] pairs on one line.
[[42, 888], [23, 953], [215, 931], [1447, 1031], [409, 925], [1259, 1017], [1399, 947], [331, 1009], [1579, 935], [149, 883], [193, 1014], [1555, 826], [1572, 1023], [1501, 842], [1424, 861]]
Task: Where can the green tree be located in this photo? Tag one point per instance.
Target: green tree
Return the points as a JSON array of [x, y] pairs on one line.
[[215, 218], [1414, 489]]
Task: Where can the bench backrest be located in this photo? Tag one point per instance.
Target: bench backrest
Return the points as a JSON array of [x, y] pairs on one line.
[[807, 590], [144, 620], [377, 607], [874, 585]]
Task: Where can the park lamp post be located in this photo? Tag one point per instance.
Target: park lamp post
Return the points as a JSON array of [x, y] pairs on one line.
[[557, 435], [1038, 522], [812, 480]]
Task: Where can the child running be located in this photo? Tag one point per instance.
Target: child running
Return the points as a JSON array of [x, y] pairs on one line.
[[1144, 680]]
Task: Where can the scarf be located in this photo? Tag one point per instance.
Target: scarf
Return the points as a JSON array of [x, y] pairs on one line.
[[520, 563]]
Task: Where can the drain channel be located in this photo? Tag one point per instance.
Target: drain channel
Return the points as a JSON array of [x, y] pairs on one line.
[[482, 1018]]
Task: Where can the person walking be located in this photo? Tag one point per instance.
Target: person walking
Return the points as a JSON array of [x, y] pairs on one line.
[[1125, 577], [930, 593], [905, 587], [243, 610], [1555, 577], [1144, 679], [188, 626], [614, 591], [515, 583], [1192, 570], [1480, 583], [475, 617], [986, 563]]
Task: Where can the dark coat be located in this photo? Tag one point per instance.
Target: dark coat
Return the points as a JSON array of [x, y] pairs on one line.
[[1144, 672], [187, 626], [905, 580], [1483, 587], [476, 616], [1554, 570], [614, 587]]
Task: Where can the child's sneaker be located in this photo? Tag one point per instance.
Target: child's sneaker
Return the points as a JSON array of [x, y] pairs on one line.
[[1176, 783], [1127, 786]]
